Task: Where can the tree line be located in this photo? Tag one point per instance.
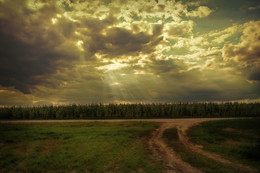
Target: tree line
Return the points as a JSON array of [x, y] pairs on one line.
[[128, 111]]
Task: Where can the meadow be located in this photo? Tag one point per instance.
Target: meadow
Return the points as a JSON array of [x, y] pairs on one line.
[[77, 147], [125, 145]]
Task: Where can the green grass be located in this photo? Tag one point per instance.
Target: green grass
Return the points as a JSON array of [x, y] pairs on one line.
[[79, 147], [171, 138], [237, 140]]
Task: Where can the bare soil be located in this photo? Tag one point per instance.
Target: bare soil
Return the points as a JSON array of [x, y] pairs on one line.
[[166, 154]]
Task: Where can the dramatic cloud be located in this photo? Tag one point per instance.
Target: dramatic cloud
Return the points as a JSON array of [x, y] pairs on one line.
[[201, 11], [246, 52], [64, 51], [27, 44]]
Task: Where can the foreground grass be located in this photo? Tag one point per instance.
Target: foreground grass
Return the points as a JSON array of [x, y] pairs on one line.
[[171, 138], [77, 147], [237, 140]]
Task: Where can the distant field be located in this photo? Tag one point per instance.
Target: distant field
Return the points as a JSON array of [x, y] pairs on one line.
[[132, 111], [77, 147], [237, 140]]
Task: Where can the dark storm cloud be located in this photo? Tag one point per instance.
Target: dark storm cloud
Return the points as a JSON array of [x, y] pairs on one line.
[[21, 63], [157, 29], [95, 25], [118, 42], [255, 75], [27, 45], [164, 66], [32, 47], [123, 42], [104, 51]]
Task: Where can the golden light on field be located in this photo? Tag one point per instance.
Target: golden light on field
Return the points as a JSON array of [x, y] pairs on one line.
[[59, 52]]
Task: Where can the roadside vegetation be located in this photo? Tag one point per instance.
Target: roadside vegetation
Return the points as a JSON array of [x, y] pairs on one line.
[[170, 136], [237, 140], [127, 111], [77, 147]]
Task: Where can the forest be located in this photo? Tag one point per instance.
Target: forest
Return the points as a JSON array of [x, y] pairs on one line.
[[130, 111]]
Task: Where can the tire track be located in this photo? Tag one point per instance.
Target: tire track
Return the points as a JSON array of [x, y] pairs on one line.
[[167, 155]]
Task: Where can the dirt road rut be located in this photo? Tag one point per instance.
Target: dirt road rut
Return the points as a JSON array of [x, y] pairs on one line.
[[173, 160]]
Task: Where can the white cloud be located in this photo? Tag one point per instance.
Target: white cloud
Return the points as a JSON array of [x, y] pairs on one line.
[[200, 12]]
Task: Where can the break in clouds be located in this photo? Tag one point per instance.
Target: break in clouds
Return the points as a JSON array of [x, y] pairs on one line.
[[76, 51]]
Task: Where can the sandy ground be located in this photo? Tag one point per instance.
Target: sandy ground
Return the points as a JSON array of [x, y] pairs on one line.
[[159, 148]]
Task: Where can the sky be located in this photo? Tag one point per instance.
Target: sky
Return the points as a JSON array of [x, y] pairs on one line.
[[128, 51]]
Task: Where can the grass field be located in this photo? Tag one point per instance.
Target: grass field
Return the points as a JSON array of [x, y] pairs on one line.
[[237, 140], [171, 138], [77, 147]]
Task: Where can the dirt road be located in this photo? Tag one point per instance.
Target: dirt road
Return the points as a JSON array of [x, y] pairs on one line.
[[159, 148], [174, 122], [166, 154]]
